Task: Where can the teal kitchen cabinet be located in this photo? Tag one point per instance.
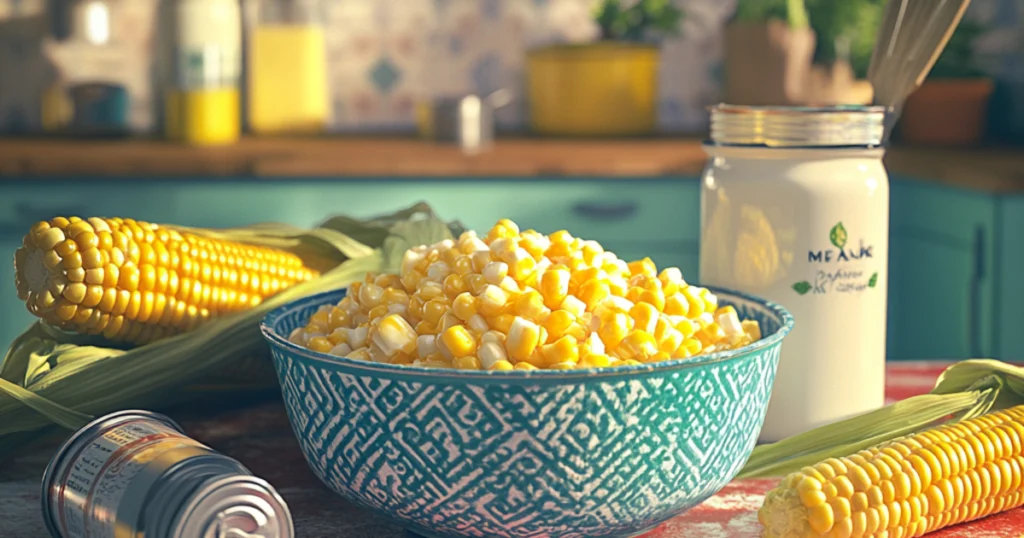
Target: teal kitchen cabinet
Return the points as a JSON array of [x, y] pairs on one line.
[[1009, 311], [942, 272], [633, 217]]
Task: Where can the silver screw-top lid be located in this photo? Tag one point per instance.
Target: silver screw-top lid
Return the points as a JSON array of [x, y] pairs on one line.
[[236, 507], [790, 127]]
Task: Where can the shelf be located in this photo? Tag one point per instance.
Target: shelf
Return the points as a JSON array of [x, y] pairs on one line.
[[987, 170]]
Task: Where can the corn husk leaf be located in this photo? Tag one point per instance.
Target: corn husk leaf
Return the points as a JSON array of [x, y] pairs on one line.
[[50, 376], [964, 390]]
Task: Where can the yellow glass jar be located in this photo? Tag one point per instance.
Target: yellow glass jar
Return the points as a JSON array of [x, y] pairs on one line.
[[287, 69]]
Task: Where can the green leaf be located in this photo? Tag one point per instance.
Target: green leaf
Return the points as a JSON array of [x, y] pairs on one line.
[[838, 235], [802, 287], [873, 280]]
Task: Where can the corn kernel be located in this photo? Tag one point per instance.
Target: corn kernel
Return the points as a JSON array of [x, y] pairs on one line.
[[433, 310], [593, 292], [465, 306], [468, 362], [524, 366], [643, 267], [501, 322], [491, 353], [502, 366], [645, 317], [319, 344], [637, 345], [394, 334], [530, 305], [573, 305], [614, 329], [492, 300], [554, 286], [558, 322], [565, 349], [523, 338]]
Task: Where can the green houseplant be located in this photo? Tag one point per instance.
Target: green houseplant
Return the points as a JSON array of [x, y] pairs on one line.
[[608, 87], [951, 106]]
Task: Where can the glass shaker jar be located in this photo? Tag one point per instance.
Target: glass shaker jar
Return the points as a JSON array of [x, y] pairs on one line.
[[795, 209], [287, 68]]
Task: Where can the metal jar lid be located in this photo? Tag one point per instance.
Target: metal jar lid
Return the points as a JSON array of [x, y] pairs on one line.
[[792, 127]]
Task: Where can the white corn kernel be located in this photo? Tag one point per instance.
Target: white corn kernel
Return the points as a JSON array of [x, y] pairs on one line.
[[575, 306], [410, 259], [478, 324], [341, 350], [490, 353], [398, 308], [394, 334], [438, 271], [357, 337], [493, 336], [596, 344], [493, 297], [509, 284], [730, 323], [426, 344], [495, 272]]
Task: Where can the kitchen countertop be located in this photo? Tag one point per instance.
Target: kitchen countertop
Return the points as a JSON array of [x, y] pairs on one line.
[[992, 170], [258, 434]]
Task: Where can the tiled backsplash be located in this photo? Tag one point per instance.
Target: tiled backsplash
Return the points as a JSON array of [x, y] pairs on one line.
[[386, 54]]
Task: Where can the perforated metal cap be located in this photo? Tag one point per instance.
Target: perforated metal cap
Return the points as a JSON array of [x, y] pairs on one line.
[[792, 127]]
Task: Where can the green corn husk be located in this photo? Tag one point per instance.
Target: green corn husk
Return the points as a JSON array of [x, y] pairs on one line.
[[51, 377], [964, 390]]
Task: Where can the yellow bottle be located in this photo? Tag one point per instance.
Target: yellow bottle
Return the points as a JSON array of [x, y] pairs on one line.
[[287, 77], [202, 99]]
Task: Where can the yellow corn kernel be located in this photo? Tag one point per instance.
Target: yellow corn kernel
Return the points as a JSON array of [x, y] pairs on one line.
[[425, 327], [468, 362], [477, 283], [454, 285], [592, 292], [677, 305], [694, 303], [520, 263], [574, 306], [524, 366], [554, 286], [319, 344], [689, 348], [614, 329], [565, 349], [492, 300], [495, 272], [465, 306], [643, 267], [530, 305], [558, 322], [645, 317], [595, 360], [394, 334], [501, 322], [462, 265], [637, 345], [502, 366], [433, 310], [523, 338]]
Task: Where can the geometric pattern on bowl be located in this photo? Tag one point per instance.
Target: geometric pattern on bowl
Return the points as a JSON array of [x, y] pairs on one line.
[[586, 453]]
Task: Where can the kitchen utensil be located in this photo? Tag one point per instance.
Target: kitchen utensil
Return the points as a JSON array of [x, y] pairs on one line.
[[467, 121], [912, 36], [599, 453]]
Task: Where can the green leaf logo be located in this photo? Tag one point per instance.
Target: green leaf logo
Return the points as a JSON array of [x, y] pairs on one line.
[[802, 287], [838, 235], [873, 280]]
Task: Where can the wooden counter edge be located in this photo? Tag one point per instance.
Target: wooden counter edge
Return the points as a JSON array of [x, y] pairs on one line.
[[984, 170]]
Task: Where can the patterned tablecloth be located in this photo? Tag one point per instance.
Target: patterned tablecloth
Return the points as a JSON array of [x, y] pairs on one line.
[[257, 433]]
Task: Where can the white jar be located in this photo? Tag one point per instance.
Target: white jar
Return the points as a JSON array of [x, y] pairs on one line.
[[795, 209]]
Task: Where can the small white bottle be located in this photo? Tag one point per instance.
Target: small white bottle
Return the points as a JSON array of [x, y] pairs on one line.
[[795, 209]]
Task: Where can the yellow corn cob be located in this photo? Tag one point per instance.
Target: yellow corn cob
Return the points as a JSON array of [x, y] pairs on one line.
[[906, 487], [521, 300], [133, 281]]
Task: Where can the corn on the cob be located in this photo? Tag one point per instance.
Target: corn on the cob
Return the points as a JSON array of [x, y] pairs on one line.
[[135, 282], [907, 487], [523, 300]]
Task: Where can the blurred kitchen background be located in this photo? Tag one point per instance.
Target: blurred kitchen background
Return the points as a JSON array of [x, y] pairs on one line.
[[177, 111], [384, 56]]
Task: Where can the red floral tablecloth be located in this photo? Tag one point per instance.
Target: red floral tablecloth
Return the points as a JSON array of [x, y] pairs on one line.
[[732, 513]]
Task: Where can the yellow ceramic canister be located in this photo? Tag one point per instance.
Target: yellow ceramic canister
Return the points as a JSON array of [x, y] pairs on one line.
[[202, 104], [598, 89]]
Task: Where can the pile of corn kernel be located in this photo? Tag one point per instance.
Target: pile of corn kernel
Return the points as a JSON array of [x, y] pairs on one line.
[[523, 301]]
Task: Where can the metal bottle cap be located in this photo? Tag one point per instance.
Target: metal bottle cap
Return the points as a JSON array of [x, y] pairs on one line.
[[235, 507], [832, 126]]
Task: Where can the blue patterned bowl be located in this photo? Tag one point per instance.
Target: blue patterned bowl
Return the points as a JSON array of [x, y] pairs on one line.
[[564, 453]]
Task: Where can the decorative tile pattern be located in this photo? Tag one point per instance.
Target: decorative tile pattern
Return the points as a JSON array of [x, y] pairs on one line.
[[384, 55], [487, 456]]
